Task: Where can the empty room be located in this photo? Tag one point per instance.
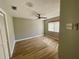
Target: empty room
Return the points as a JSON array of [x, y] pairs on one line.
[[39, 29]]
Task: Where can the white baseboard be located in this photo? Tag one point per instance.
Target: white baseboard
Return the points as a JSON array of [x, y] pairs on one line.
[[29, 38], [13, 48]]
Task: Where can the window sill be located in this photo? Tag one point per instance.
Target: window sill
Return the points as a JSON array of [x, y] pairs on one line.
[[53, 32]]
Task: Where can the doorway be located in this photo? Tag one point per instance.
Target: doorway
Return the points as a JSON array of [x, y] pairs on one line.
[[4, 52]]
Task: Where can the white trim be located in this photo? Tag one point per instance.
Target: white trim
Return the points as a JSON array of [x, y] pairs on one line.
[[6, 46], [1, 14], [13, 48], [2, 11], [29, 38]]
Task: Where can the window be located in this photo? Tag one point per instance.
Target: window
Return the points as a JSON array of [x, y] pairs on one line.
[[53, 26]]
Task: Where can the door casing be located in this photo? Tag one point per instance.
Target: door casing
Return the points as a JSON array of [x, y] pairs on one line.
[[7, 50]]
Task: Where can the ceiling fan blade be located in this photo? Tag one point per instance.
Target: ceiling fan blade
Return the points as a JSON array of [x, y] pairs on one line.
[[44, 17], [38, 15]]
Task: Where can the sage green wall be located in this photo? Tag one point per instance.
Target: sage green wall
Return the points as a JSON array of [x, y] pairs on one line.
[[25, 28], [46, 32], [69, 39]]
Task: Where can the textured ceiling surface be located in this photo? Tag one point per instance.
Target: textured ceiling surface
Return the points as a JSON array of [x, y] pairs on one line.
[[27, 8]]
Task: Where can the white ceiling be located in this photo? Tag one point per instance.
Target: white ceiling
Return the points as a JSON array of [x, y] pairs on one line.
[[49, 8]]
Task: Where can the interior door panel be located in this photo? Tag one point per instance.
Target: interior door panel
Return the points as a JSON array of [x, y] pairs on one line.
[[2, 56]]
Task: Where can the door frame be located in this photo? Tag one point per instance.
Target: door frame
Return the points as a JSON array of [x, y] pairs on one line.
[[5, 17]]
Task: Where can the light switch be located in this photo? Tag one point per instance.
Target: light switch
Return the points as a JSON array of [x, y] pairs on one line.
[[69, 26]]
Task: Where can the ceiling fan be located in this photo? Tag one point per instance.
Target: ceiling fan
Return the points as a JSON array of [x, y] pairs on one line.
[[39, 15]]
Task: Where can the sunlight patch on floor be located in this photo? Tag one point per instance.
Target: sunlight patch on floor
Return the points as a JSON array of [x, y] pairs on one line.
[[52, 43]]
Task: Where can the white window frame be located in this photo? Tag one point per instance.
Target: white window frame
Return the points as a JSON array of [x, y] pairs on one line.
[[52, 26]]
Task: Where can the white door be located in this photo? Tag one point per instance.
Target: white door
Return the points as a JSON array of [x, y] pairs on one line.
[[2, 56], [3, 39]]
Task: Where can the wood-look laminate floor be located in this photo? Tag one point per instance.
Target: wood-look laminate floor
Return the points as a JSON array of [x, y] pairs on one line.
[[36, 48]]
